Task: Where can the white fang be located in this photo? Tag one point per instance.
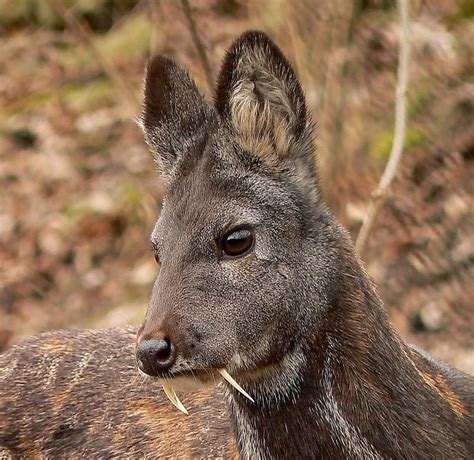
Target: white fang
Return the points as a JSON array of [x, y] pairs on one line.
[[169, 391], [232, 382]]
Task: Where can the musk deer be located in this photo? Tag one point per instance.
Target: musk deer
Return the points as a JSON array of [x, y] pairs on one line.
[[258, 283]]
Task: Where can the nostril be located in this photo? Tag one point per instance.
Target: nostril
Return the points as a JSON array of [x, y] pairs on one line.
[[163, 351], [155, 356]]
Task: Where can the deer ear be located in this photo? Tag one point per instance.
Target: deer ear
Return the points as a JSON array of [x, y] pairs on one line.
[[175, 117], [259, 95]]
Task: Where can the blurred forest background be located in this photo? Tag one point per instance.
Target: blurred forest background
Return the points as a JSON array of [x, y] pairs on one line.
[[79, 192]]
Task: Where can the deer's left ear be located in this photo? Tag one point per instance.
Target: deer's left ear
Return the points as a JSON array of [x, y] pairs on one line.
[[259, 95]]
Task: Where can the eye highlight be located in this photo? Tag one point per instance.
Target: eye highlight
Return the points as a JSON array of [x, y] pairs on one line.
[[237, 242]]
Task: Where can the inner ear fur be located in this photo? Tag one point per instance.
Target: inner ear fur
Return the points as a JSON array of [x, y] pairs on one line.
[[176, 119], [260, 96]]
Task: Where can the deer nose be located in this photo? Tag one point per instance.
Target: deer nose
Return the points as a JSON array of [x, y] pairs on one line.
[[155, 356]]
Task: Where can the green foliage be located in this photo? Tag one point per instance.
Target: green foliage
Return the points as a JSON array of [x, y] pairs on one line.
[[99, 14], [367, 5], [129, 40], [82, 98], [272, 14], [97, 93], [121, 44], [27, 103], [134, 202], [382, 143], [465, 11], [13, 12], [421, 94]]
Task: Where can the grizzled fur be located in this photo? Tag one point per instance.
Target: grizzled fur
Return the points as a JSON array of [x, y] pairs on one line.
[[296, 321], [77, 394]]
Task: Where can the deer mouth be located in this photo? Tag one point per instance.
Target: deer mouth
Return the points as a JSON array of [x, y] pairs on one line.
[[191, 380]]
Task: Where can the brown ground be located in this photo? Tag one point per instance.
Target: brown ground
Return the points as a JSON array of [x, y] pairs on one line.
[[79, 192]]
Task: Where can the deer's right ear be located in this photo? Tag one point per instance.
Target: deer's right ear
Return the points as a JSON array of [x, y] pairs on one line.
[[175, 118]]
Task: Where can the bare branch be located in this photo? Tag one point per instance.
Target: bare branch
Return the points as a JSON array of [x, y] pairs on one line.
[[84, 33], [198, 43], [380, 193]]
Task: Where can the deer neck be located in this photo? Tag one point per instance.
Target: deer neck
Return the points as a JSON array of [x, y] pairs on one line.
[[354, 390]]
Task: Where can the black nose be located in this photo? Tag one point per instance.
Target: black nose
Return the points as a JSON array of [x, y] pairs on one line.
[[155, 356]]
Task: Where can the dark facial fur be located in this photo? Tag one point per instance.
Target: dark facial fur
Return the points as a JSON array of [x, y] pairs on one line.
[[247, 312]]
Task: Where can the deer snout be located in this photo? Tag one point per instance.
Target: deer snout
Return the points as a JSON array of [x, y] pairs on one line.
[[155, 356]]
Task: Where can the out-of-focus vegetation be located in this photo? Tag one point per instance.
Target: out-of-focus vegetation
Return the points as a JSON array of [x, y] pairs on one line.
[[78, 188]]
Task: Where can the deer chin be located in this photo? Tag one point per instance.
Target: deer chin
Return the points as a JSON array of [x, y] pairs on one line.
[[190, 381], [183, 382]]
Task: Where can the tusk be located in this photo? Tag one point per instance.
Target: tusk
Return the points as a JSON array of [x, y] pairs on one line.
[[232, 382], [169, 391]]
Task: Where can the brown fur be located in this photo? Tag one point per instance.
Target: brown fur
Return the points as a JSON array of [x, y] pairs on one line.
[[438, 383], [101, 407]]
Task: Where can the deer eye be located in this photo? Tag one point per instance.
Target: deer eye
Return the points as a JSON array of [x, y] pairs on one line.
[[237, 243]]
